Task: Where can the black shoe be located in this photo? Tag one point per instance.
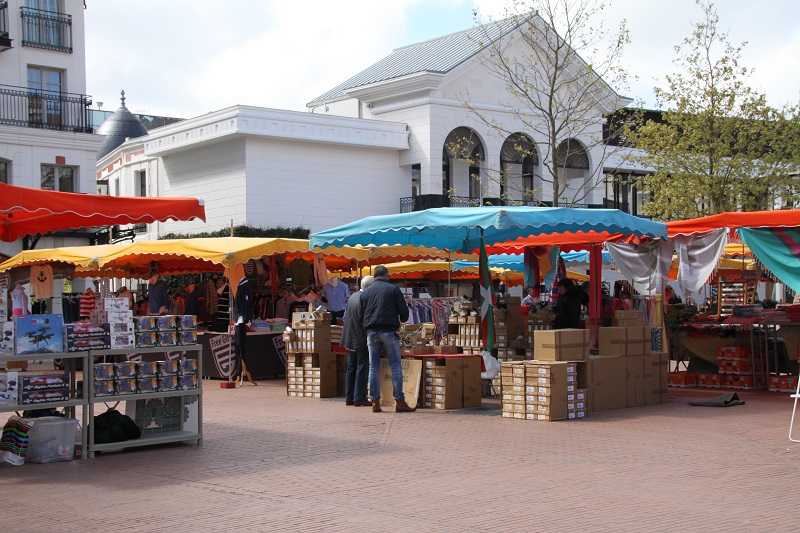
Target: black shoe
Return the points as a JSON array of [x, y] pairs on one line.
[[349, 402]]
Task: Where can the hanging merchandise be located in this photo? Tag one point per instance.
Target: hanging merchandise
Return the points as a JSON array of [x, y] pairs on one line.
[[88, 303], [300, 272], [320, 270], [42, 281], [19, 300]]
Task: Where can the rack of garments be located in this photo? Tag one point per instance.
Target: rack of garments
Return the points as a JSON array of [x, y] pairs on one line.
[[432, 310]]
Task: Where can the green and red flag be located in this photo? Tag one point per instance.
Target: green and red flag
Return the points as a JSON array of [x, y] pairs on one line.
[[487, 299]]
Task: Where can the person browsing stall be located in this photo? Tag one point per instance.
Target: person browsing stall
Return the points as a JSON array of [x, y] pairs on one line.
[[336, 294], [384, 308], [568, 306], [354, 338], [157, 295]]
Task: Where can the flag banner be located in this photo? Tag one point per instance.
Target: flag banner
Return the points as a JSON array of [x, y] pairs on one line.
[[487, 299]]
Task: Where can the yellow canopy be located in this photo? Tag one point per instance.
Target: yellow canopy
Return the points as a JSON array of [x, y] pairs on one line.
[[82, 257], [395, 253]]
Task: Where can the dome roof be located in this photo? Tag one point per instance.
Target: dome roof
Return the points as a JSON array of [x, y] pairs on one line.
[[120, 126]]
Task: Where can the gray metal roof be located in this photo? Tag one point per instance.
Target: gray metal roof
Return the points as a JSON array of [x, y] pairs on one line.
[[120, 126], [439, 55]]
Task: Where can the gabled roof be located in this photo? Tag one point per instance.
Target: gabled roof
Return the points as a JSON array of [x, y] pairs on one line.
[[440, 55]]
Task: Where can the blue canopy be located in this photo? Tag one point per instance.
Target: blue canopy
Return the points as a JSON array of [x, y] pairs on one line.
[[516, 262], [459, 228]]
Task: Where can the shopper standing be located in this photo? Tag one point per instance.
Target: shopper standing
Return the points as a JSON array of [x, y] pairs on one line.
[[568, 306], [384, 308], [354, 338]]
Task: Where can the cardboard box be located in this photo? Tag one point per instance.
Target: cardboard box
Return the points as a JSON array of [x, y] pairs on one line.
[[145, 339], [147, 384], [144, 323], [82, 344], [187, 337], [187, 381], [471, 378], [104, 371], [608, 383], [167, 382], [111, 316], [121, 327], [187, 365], [114, 304], [166, 367], [147, 368], [86, 330], [126, 340], [35, 397], [38, 334], [167, 337], [624, 341], [561, 345], [165, 322], [125, 370], [186, 321], [655, 378], [104, 387], [126, 386], [6, 338]]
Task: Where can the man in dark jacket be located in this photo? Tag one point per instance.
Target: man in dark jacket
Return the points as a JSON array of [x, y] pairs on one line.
[[354, 338], [243, 309], [568, 306], [384, 308]]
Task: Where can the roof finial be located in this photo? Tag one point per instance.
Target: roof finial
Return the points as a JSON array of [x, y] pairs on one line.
[[122, 98]]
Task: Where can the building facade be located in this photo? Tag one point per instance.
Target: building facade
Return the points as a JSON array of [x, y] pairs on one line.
[[381, 142], [46, 138]]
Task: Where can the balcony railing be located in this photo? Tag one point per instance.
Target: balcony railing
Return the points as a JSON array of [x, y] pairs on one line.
[[427, 201], [5, 41], [46, 29], [50, 111]]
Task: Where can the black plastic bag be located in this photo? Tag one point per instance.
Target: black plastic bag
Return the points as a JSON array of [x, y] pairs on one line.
[[113, 426]]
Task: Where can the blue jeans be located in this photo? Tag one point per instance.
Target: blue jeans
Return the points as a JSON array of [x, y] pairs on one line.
[[355, 387], [389, 342]]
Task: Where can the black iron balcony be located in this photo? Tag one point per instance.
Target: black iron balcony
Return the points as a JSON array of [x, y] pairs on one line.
[[426, 201], [46, 29], [5, 41], [46, 110]]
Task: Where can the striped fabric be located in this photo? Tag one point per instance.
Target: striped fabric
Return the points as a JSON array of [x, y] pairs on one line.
[[14, 442]]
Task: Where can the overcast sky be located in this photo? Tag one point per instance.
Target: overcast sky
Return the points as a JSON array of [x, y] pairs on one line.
[[184, 58]]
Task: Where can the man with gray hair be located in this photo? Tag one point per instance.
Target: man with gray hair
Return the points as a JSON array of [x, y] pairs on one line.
[[354, 338], [384, 308]]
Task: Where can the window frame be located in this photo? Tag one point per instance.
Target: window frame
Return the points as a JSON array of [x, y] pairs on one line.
[[57, 179]]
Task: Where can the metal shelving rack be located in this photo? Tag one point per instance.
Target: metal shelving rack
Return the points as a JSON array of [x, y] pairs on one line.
[[70, 362], [172, 436]]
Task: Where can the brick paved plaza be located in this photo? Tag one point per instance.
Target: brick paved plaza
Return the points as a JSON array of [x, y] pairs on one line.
[[271, 463]]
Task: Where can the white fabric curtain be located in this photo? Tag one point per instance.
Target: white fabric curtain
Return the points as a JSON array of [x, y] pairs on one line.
[[646, 265], [698, 255]]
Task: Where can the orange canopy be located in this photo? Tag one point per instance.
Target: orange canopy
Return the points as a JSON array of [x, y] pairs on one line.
[[575, 240], [26, 211], [753, 219]]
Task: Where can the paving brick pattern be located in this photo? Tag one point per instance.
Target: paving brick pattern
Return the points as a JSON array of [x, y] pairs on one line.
[[272, 463]]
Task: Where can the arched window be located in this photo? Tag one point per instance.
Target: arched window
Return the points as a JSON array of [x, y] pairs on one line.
[[571, 154], [462, 156], [519, 160]]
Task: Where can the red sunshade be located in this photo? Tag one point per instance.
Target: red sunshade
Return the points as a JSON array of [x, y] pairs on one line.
[[26, 211], [753, 219], [574, 241]]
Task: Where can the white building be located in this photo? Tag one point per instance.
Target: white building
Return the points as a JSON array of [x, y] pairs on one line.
[[379, 143], [46, 140]]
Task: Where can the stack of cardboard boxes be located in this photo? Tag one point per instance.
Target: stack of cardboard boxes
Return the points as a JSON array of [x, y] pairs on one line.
[[626, 373], [130, 377], [311, 365], [451, 382], [543, 390], [738, 369], [464, 328], [33, 388], [115, 313]]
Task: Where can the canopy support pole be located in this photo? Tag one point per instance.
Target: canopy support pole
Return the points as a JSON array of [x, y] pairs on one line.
[[595, 290]]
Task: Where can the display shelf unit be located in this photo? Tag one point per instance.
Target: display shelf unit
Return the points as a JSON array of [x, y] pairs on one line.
[[180, 435], [70, 362], [733, 293]]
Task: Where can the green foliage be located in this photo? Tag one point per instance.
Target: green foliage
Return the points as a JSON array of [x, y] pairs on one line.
[[245, 231], [720, 147]]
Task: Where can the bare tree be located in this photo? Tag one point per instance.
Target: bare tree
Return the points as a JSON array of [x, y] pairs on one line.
[[558, 68]]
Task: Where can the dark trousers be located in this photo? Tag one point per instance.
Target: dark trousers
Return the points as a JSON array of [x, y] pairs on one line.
[[357, 373], [336, 317], [240, 342]]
